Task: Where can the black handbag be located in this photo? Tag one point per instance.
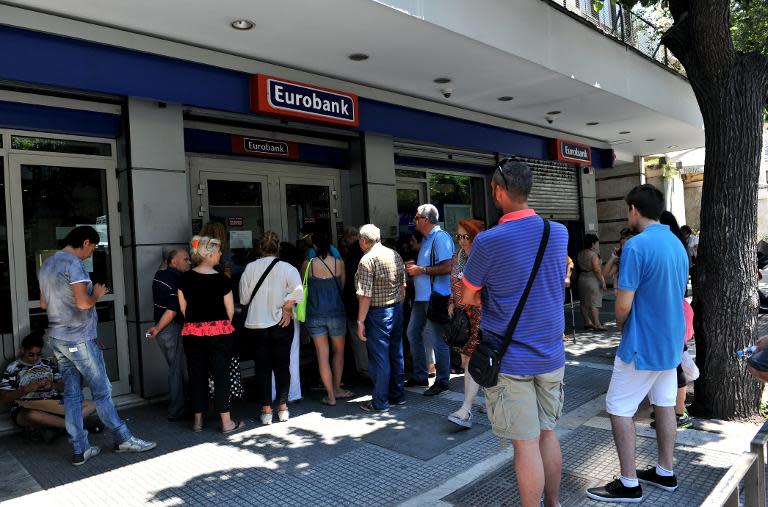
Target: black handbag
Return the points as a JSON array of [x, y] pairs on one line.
[[437, 308], [485, 361], [458, 330]]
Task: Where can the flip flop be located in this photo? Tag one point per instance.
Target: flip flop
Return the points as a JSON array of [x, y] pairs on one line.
[[344, 395], [326, 401], [238, 426]]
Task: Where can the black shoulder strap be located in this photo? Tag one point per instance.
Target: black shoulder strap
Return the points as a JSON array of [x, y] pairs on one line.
[[524, 297], [261, 280], [333, 274], [432, 258]]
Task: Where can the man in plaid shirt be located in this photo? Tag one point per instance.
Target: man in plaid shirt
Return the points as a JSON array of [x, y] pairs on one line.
[[380, 288]]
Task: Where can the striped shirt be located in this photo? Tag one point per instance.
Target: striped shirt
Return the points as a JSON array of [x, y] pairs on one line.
[[381, 276], [499, 265]]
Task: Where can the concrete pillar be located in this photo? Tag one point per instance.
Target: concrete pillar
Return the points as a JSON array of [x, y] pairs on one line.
[[159, 214], [612, 185], [588, 199], [379, 163]]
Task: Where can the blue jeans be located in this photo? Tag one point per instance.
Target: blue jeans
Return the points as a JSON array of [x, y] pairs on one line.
[[83, 362], [169, 341], [417, 327], [384, 333]]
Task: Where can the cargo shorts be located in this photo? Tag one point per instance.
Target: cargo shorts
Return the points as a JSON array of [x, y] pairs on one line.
[[521, 407]]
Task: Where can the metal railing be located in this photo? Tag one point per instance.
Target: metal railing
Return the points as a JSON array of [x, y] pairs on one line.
[[625, 26], [749, 470]]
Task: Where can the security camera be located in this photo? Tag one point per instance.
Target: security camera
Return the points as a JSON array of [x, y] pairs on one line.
[[447, 92], [549, 119]]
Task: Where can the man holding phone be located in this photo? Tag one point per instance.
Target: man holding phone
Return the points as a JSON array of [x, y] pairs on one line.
[[69, 298]]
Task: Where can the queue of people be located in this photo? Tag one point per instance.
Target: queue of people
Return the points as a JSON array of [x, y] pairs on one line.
[[505, 286]]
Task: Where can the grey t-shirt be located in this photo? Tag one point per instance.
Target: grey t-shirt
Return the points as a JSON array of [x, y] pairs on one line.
[[65, 320]]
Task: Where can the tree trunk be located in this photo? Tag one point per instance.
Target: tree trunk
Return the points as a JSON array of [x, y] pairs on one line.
[[726, 276], [731, 91]]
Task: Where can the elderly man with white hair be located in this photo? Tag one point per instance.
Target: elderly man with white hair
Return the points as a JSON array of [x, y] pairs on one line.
[[432, 282], [380, 287]]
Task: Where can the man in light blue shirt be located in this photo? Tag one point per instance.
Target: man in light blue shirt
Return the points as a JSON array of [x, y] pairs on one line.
[[431, 273], [649, 311]]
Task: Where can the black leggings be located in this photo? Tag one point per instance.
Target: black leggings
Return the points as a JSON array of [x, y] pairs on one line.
[[206, 353], [271, 352]]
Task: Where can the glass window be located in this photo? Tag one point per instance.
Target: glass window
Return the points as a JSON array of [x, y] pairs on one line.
[[55, 200], [308, 206], [29, 143], [457, 197], [408, 199]]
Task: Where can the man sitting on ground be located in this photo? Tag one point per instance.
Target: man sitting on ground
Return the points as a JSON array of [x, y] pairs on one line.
[[33, 385]]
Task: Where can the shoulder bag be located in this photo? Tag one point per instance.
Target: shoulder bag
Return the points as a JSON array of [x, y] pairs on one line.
[[484, 362], [241, 311], [301, 308], [437, 308]]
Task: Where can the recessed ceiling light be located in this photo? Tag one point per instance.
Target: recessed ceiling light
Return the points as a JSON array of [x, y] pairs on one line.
[[672, 146], [505, 98], [358, 57], [554, 112], [242, 24], [442, 80], [650, 140], [593, 123], [625, 132]]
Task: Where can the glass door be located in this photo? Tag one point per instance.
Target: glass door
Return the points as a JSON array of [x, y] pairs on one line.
[[409, 197], [50, 195], [240, 203], [309, 205]]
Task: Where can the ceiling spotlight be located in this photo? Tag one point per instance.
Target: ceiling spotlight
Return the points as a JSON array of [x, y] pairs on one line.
[[625, 132], [505, 98], [650, 140], [242, 24], [593, 123], [552, 113], [358, 57], [442, 80]]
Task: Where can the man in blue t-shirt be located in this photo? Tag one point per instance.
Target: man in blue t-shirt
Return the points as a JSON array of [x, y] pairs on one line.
[[527, 401], [431, 273], [649, 311], [69, 298]]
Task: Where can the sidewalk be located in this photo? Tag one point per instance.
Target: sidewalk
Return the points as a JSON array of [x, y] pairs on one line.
[[344, 456]]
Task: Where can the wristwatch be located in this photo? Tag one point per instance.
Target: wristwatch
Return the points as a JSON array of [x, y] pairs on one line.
[[424, 269], [361, 322]]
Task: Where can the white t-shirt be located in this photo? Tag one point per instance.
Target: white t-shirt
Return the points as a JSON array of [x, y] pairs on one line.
[[282, 283], [692, 242]]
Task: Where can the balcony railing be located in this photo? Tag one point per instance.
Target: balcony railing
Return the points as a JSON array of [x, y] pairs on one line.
[[626, 26]]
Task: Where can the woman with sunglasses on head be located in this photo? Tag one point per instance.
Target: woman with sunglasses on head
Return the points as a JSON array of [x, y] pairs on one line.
[[466, 231], [206, 300]]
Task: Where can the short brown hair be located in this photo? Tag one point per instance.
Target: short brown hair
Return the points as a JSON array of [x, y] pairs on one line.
[[472, 226], [269, 244]]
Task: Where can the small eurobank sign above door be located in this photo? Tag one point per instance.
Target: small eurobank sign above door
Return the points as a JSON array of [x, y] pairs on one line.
[[264, 147], [573, 153], [281, 97]]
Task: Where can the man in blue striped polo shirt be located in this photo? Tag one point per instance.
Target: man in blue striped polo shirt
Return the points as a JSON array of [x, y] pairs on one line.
[[528, 399]]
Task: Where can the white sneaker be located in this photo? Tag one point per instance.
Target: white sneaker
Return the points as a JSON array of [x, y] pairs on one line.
[[135, 444], [283, 415], [80, 459], [456, 418], [266, 418]]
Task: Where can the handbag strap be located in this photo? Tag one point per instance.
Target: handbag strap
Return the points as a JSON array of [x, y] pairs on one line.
[[261, 280], [432, 259], [524, 297]]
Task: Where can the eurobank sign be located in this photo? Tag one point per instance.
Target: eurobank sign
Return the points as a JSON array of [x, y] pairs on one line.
[[281, 97]]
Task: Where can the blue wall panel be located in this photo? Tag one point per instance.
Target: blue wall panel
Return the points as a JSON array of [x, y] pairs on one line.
[[58, 119]]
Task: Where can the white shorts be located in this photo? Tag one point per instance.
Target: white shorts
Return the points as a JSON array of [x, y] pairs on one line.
[[630, 386]]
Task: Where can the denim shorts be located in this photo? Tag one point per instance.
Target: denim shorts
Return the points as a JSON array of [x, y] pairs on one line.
[[327, 326]]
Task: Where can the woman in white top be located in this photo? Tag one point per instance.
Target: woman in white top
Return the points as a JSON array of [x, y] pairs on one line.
[[269, 324]]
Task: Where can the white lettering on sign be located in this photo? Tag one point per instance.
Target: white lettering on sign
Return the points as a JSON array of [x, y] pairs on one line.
[[573, 151], [265, 147]]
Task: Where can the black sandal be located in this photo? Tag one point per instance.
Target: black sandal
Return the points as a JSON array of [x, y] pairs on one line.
[[238, 426]]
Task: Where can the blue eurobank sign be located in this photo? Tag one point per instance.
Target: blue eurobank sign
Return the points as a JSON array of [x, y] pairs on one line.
[[281, 97]]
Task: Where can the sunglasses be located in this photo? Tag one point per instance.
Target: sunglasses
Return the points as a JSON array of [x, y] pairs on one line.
[[503, 176], [462, 236]]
